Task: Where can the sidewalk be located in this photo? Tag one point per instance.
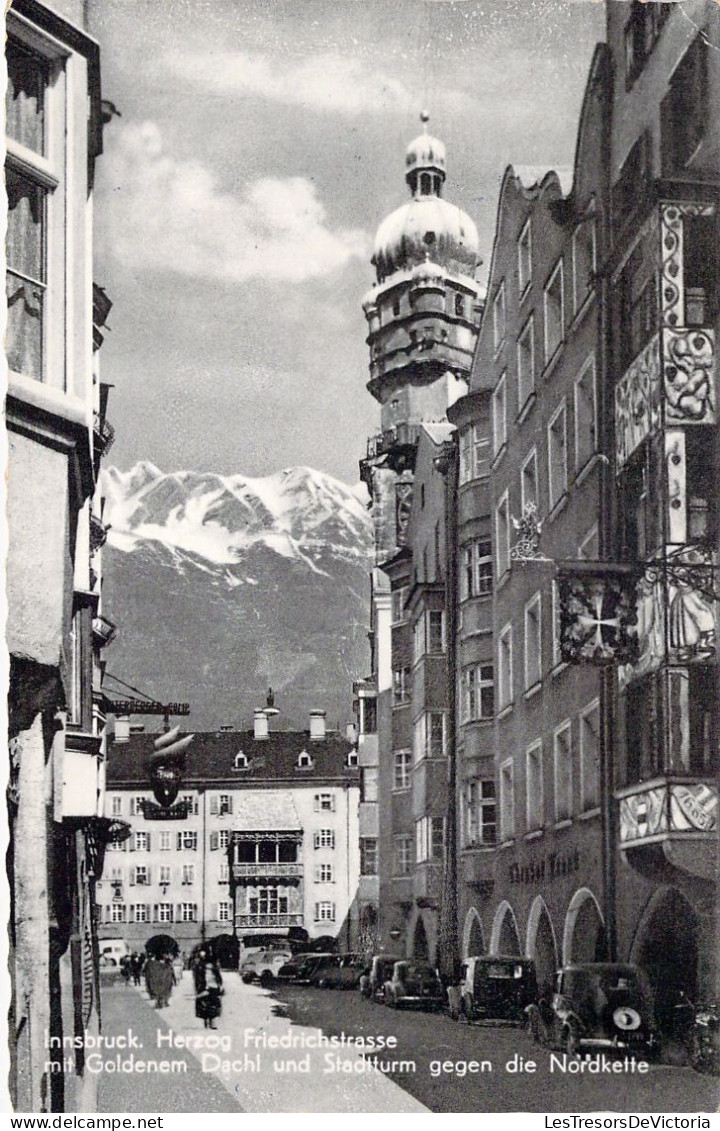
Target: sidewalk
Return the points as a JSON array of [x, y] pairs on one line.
[[253, 1075], [126, 1012]]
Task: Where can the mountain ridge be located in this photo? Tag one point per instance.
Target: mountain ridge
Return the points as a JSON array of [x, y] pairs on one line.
[[230, 584]]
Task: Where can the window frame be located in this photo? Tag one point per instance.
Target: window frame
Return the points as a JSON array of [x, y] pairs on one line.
[[535, 602], [592, 708], [559, 763], [402, 760], [526, 389], [524, 239], [507, 800], [557, 269], [499, 316], [591, 222], [505, 693], [405, 857], [534, 787], [47, 171], [588, 371], [530, 458], [503, 562], [553, 501], [500, 415]]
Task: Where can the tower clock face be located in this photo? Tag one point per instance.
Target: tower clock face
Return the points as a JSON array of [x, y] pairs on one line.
[[403, 503]]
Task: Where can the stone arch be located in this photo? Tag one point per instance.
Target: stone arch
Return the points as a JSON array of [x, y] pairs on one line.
[[473, 935], [541, 945], [666, 945], [505, 937], [584, 932]]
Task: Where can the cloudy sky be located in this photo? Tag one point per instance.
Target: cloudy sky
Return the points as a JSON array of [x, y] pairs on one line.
[[260, 143]]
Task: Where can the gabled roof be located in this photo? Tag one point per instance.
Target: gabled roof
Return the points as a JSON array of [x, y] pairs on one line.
[[210, 759]]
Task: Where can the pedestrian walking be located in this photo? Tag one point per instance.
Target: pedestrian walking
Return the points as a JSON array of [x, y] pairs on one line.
[[208, 989], [178, 966], [159, 980]]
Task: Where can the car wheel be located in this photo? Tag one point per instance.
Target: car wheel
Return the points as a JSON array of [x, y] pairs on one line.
[[266, 978], [247, 978]]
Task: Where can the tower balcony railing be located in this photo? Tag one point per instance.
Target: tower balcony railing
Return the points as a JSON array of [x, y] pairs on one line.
[[401, 435]]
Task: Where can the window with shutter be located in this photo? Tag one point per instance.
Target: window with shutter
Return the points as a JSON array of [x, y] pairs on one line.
[[213, 806], [214, 842]]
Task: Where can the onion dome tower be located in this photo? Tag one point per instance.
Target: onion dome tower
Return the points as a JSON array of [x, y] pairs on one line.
[[423, 313]]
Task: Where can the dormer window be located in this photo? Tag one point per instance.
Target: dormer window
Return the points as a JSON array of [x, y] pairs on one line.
[[241, 762], [304, 760], [352, 758]]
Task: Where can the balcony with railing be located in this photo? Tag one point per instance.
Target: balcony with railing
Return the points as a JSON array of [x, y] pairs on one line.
[[402, 435], [670, 821], [267, 920], [249, 873]]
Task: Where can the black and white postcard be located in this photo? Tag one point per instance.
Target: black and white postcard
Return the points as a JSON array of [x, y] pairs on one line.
[[362, 576]]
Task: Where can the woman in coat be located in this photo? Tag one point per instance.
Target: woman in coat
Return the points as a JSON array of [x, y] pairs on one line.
[[208, 989]]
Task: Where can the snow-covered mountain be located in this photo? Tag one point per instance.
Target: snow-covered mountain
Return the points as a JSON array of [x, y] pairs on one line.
[[224, 585]]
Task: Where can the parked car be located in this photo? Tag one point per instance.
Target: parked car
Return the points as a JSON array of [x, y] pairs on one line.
[[288, 972], [111, 951], [324, 972], [414, 983], [339, 971], [263, 965], [496, 988], [598, 1007], [307, 968], [373, 985]]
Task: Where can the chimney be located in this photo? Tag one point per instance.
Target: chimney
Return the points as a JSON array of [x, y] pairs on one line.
[[122, 728], [261, 724], [317, 726]]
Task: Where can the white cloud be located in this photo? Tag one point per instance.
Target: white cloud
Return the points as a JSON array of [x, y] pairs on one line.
[[328, 82], [170, 214]]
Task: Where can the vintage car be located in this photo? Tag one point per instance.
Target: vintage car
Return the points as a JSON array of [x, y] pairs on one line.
[[306, 969], [598, 1007], [372, 985], [414, 984], [288, 972], [345, 975], [263, 965], [497, 988]]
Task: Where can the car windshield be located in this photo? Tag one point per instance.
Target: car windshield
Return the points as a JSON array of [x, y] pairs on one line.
[[504, 970]]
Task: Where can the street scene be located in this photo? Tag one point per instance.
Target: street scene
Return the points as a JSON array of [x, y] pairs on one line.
[[362, 583], [435, 1064]]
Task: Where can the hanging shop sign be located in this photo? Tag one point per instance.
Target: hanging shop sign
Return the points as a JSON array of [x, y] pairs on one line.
[[598, 613], [167, 766]]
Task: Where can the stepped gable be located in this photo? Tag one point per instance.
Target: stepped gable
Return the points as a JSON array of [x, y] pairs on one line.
[[210, 759]]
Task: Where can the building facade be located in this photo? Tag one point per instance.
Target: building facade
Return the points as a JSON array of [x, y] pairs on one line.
[[564, 581], [534, 397], [57, 432], [267, 843], [587, 537], [422, 319], [662, 300]]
